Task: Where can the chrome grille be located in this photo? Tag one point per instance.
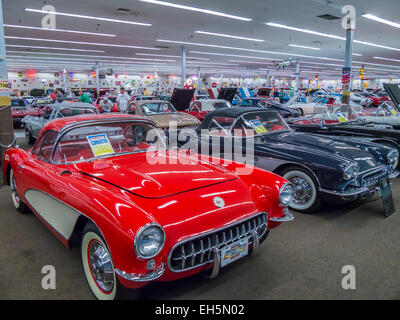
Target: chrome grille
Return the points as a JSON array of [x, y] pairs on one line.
[[372, 180], [198, 251]]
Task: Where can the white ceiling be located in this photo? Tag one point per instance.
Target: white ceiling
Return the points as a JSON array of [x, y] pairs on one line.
[[179, 25]]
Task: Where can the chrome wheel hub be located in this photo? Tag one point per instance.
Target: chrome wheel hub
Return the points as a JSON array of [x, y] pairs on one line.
[[101, 266], [302, 190], [14, 190]]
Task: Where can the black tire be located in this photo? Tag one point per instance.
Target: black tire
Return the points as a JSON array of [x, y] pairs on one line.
[[116, 291], [29, 137], [17, 202], [300, 177]]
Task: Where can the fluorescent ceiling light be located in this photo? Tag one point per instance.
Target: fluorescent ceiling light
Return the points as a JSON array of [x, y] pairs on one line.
[[375, 18], [52, 48], [386, 59], [80, 42], [168, 56], [178, 6], [230, 55], [250, 62], [228, 36], [357, 54], [328, 35], [92, 56], [304, 47], [210, 63], [61, 30], [244, 49], [304, 30], [88, 17]]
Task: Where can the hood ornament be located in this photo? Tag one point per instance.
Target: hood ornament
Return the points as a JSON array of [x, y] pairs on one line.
[[219, 202]]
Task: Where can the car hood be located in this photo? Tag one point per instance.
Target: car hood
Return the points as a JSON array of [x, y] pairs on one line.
[[320, 145], [182, 119], [139, 175]]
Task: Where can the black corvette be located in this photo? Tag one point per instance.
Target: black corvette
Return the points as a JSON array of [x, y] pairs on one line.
[[343, 121], [319, 167]]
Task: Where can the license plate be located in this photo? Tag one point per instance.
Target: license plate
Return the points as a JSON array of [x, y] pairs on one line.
[[234, 251], [387, 198]]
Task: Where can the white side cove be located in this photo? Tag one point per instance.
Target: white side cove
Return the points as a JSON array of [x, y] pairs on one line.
[[56, 213]]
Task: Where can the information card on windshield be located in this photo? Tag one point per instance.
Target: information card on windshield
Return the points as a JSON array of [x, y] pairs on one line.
[[100, 144], [257, 125]]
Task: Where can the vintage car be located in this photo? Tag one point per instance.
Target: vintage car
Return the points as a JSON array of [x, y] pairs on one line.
[[33, 125], [20, 109], [270, 104], [376, 100], [162, 113], [41, 102], [199, 108], [319, 167], [347, 121], [139, 215], [144, 98]]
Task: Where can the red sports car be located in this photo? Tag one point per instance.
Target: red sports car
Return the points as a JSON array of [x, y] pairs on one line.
[[112, 99], [141, 215]]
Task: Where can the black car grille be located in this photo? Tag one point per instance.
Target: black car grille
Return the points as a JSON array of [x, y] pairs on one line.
[[372, 180], [198, 251]]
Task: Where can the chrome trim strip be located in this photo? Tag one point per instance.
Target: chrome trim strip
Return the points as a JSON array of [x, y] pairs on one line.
[[217, 265], [145, 277], [261, 214], [345, 193]]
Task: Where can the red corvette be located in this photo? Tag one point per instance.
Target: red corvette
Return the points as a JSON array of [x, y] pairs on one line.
[[19, 110], [138, 213], [112, 99]]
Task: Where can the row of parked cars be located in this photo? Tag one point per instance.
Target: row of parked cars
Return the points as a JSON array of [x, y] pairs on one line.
[[148, 201]]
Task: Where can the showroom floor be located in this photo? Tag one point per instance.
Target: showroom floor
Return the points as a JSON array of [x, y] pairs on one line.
[[302, 259]]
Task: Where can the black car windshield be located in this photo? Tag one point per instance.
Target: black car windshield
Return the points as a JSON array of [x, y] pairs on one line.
[[105, 140], [157, 108], [260, 123], [342, 114]]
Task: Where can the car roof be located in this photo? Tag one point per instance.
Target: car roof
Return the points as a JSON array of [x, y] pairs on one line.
[[60, 124], [234, 112]]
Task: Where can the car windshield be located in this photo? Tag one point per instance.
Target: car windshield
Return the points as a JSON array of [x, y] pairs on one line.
[[343, 114], [387, 110], [18, 103], [211, 106], [69, 112], [157, 108], [104, 140]]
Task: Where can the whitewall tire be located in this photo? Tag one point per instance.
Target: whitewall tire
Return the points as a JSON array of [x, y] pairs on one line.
[[98, 266], [18, 204], [306, 197]]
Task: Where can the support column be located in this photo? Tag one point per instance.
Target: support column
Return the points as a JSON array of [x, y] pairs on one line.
[[297, 75], [199, 82], [97, 82], [183, 65], [347, 80], [6, 122], [362, 78], [65, 80], [267, 78]]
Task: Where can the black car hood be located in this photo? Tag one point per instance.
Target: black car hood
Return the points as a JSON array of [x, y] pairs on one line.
[[321, 145], [393, 91], [227, 94], [181, 98]]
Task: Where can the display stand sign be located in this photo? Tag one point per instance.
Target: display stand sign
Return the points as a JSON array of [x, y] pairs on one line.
[[346, 75], [387, 197]]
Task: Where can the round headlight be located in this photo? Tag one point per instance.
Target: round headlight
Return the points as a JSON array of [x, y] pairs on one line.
[[351, 171], [393, 158], [149, 241], [286, 194]]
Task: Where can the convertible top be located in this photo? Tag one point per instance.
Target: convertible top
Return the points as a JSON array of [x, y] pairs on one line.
[[229, 113]]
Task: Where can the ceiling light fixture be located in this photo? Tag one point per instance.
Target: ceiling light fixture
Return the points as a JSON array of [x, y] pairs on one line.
[[228, 36], [277, 25], [386, 59], [303, 47], [249, 50], [52, 48], [88, 17], [375, 18], [80, 42], [179, 6], [169, 56], [61, 30]]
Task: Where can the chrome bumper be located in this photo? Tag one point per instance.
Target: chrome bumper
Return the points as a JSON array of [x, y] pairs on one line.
[[286, 218], [145, 277]]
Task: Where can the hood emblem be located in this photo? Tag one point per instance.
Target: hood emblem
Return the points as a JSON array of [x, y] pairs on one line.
[[219, 202]]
